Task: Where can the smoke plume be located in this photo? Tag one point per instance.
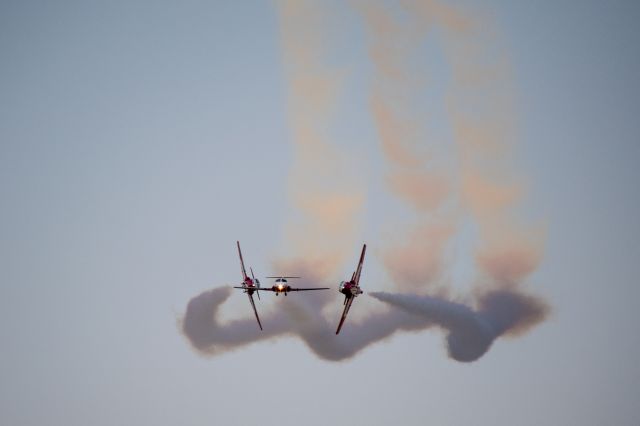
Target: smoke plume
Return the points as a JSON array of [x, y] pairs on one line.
[[419, 170], [480, 187], [471, 332], [443, 178], [297, 315], [323, 186]]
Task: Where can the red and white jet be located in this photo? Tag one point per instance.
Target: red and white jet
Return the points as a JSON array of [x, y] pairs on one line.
[[351, 289], [282, 286], [249, 285]]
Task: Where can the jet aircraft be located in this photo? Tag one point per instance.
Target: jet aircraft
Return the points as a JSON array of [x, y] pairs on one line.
[[249, 285], [351, 289], [282, 286]]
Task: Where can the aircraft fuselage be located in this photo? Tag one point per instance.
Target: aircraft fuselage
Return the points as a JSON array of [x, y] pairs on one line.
[[250, 286], [349, 289], [281, 286]]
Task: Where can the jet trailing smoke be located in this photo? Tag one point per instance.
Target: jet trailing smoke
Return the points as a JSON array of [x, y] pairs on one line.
[[469, 332], [298, 316]]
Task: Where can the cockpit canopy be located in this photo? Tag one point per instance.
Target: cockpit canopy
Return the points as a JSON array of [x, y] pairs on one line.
[[281, 280]]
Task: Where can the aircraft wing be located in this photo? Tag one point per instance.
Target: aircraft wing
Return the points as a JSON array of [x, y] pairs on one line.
[[253, 305], [356, 274], [347, 306], [244, 273], [305, 289], [291, 289]]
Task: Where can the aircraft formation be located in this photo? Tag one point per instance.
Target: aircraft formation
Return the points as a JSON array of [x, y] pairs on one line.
[[351, 289]]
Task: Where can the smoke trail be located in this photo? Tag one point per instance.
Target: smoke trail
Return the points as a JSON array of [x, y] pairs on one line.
[[481, 186], [470, 332], [322, 184], [207, 335], [442, 189], [419, 172], [296, 316]]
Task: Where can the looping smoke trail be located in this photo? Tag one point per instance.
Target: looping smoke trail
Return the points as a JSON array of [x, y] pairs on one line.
[[207, 335], [470, 332], [297, 316]]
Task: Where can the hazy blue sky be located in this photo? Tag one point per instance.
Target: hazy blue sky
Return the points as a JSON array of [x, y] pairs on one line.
[[140, 139]]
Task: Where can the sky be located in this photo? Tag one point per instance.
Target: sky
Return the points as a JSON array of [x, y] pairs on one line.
[[139, 140]]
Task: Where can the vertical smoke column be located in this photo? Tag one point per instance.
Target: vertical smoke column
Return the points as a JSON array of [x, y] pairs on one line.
[[418, 156], [482, 117], [481, 186], [322, 185], [478, 182]]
